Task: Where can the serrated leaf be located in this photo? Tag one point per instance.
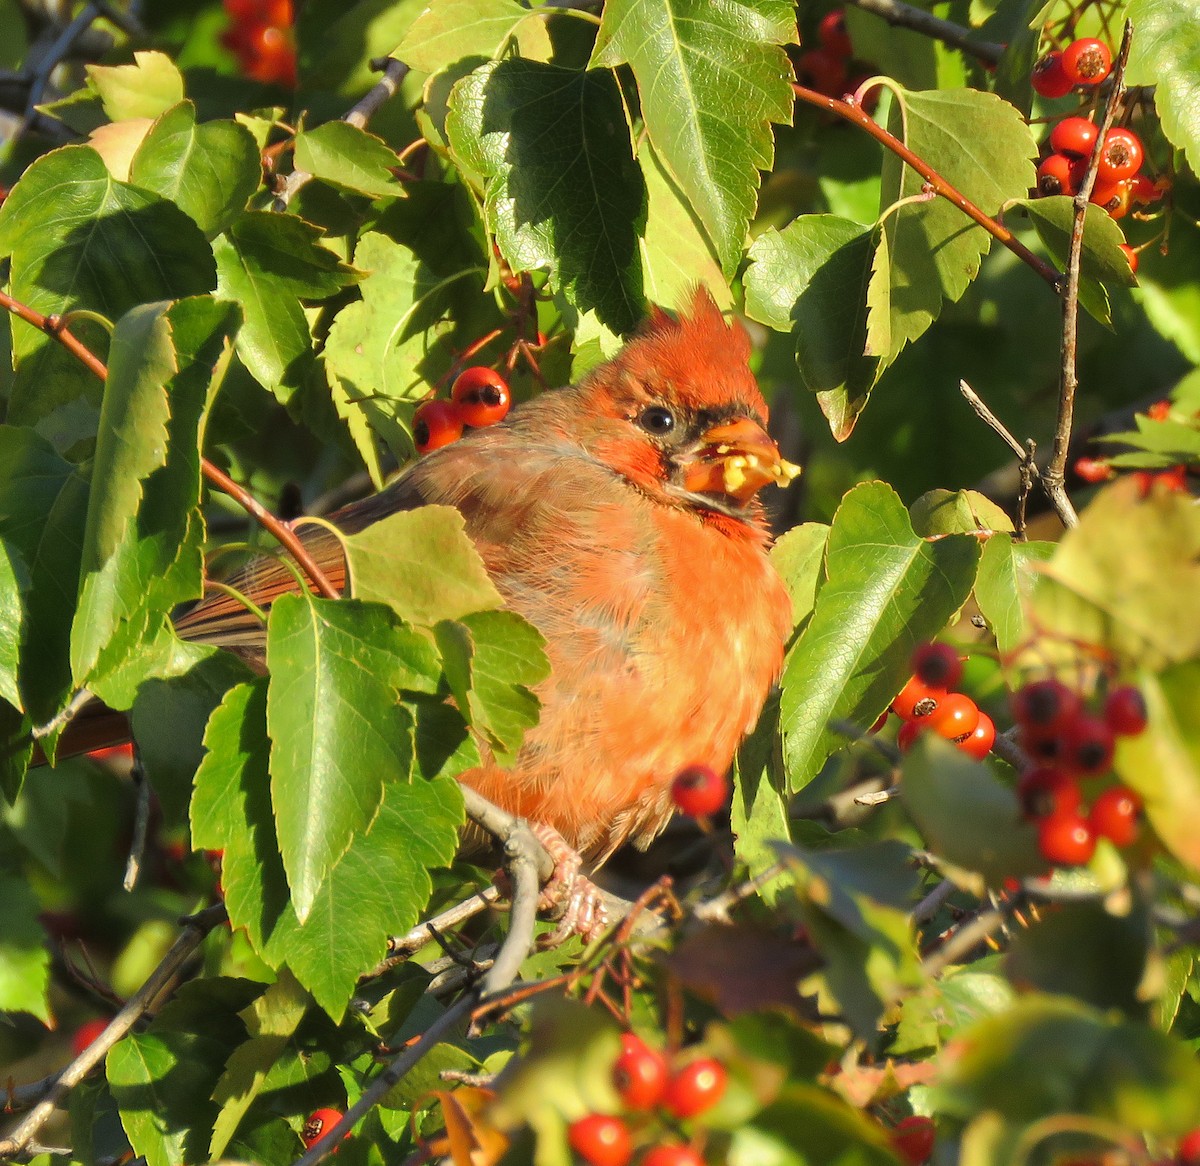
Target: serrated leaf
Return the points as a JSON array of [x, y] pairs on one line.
[[449, 31], [1007, 572], [147, 88], [811, 279], [712, 79], [422, 565], [209, 171], [1159, 443], [1166, 56], [337, 730], [886, 591], [984, 148], [563, 192], [24, 958], [80, 239], [267, 264], [349, 157]]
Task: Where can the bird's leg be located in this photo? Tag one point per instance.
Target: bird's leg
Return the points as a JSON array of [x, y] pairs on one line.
[[578, 902]]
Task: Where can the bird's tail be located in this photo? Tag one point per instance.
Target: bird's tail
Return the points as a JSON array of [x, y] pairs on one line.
[[94, 727]]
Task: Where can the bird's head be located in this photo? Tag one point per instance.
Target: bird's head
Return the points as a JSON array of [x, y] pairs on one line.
[[682, 416]]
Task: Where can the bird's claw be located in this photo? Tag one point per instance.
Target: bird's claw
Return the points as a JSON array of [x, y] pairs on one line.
[[569, 895]]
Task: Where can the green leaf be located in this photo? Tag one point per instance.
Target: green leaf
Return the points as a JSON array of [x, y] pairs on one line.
[[711, 79], [267, 264], [799, 557], [1166, 56], [79, 239], [759, 813], [811, 279], [984, 148], [1159, 444], [337, 733], [947, 1004], [957, 512], [209, 171], [147, 88], [886, 591], [449, 31], [14, 579], [1049, 1056], [1124, 577], [1007, 572], [1163, 762], [24, 960], [422, 565], [338, 39], [563, 192], [345, 156]]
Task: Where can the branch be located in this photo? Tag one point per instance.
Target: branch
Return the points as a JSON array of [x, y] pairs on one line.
[[851, 112], [1053, 480], [896, 12], [196, 927], [54, 327]]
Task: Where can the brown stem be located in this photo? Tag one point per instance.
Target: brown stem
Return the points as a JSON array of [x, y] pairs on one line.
[[54, 327], [1053, 477], [853, 113]]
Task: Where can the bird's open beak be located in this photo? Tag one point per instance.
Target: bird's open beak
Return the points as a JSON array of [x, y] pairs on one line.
[[736, 459]]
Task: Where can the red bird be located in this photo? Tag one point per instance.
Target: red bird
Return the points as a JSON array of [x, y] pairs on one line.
[[620, 517]]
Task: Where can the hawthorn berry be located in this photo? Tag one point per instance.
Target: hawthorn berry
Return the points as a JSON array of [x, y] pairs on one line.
[[880, 721], [1045, 793], [1125, 711], [640, 1073], [1074, 135], [1066, 839], [983, 737], [916, 699], [1059, 174], [699, 790], [1115, 198], [1144, 190], [913, 1139], [832, 34], [86, 1034], [669, 1154], [1088, 745], [1174, 480], [1086, 61], [1098, 469], [937, 665], [318, 1124], [696, 1087], [1131, 255], [955, 716], [1048, 78], [825, 71], [482, 396], [436, 423], [1187, 1153], [906, 738], [1047, 705], [1115, 815], [1159, 411], [600, 1140], [1120, 156]]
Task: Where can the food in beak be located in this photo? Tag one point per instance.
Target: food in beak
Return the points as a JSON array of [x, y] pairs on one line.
[[737, 459]]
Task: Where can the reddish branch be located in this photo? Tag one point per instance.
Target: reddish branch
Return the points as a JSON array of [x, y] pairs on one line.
[[54, 327]]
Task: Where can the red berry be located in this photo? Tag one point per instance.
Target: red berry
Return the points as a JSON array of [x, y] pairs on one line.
[[696, 1087], [278, 12], [937, 665], [1074, 135], [1087, 61], [436, 423], [86, 1033], [824, 71], [1088, 746], [1115, 815], [1159, 411], [956, 716], [1097, 469], [1048, 793], [979, 743], [1131, 255], [1113, 197], [671, 1155], [699, 790], [913, 1139], [1125, 711], [243, 11], [1120, 156], [1187, 1153], [1066, 839], [1173, 480], [916, 699], [600, 1140], [831, 32], [640, 1073], [318, 1124], [906, 738], [482, 396], [1144, 190], [1048, 78], [1045, 705], [880, 722], [1059, 174]]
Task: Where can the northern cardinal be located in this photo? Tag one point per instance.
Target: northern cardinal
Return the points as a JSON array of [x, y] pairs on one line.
[[621, 518]]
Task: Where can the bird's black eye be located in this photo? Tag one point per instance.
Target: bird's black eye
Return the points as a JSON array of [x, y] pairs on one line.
[[657, 419]]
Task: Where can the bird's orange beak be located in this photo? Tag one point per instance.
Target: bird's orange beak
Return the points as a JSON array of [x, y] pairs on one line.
[[736, 459]]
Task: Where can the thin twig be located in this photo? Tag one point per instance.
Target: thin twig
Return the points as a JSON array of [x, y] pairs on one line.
[[964, 939], [141, 823], [55, 55], [896, 12], [716, 910], [1053, 478], [196, 927], [929, 906], [852, 112], [400, 946]]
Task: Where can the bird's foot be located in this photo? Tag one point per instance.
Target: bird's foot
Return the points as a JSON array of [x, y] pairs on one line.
[[569, 895]]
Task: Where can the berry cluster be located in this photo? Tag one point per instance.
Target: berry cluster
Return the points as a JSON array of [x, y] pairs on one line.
[[645, 1081], [1094, 470], [478, 398], [1067, 744], [827, 69], [928, 702], [260, 36]]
